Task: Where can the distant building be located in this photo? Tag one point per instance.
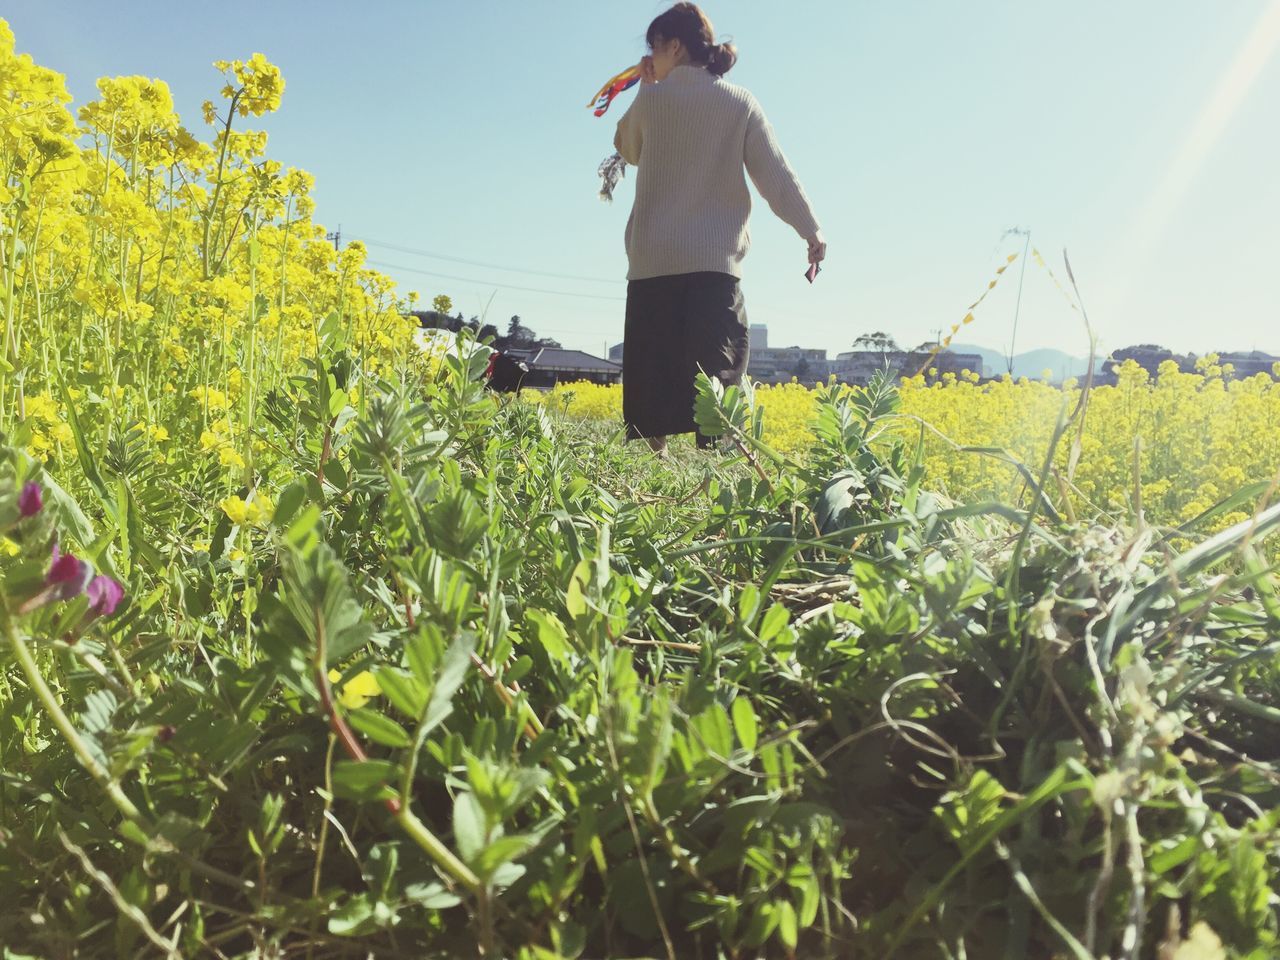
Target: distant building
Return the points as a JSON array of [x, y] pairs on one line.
[[549, 366], [759, 333], [615, 353], [1249, 363], [780, 364], [859, 366]]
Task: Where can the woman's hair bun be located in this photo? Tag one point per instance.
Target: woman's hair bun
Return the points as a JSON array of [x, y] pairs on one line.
[[688, 24], [723, 57]]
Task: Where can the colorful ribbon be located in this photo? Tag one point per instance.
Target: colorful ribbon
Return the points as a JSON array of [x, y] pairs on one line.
[[624, 81]]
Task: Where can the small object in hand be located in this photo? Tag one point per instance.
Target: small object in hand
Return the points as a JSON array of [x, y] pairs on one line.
[[624, 81], [811, 272]]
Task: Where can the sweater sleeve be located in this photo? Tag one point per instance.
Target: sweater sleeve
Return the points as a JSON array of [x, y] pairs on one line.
[[627, 140], [774, 177]]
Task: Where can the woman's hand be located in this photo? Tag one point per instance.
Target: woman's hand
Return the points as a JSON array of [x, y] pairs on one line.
[[646, 70], [817, 248]]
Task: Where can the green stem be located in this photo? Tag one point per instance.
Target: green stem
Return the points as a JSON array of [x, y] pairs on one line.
[[1234, 701], [415, 828], [438, 852], [217, 186], [22, 653]]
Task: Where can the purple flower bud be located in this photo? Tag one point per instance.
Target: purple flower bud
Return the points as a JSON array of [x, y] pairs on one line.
[[104, 595], [31, 500], [68, 574]]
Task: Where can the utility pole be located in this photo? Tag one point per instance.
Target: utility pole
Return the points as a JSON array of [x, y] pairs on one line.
[[336, 237], [1018, 232]]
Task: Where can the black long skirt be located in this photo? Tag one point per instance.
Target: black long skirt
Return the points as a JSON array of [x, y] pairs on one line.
[[677, 325]]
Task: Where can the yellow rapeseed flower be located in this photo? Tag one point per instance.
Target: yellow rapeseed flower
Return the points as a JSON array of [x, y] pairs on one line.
[[235, 508], [357, 691]]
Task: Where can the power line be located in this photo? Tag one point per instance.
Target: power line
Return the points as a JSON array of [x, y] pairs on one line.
[[489, 283], [481, 263]]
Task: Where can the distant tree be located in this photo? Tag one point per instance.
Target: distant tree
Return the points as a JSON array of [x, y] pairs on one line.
[[520, 337], [1140, 349], [877, 340], [1147, 355], [518, 333], [801, 369], [488, 331]]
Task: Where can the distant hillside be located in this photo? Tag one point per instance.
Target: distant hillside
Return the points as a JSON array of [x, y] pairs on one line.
[[1030, 364]]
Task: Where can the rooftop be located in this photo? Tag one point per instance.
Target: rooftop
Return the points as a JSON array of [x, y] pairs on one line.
[[550, 358]]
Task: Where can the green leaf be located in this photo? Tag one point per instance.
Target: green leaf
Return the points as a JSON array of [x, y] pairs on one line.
[[1243, 499], [404, 691], [318, 593], [773, 623], [335, 473], [432, 896], [68, 516], [762, 924], [1053, 785], [1173, 856], [712, 730], [457, 661], [550, 633], [838, 497], [360, 916], [811, 895], [87, 462], [788, 931], [518, 670], [364, 779], [653, 745], [303, 533], [575, 596], [745, 724], [457, 524], [379, 728], [502, 850], [470, 829], [289, 502], [337, 400], [423, 649]]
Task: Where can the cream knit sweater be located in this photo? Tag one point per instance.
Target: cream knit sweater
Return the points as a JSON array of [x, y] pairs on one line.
[[690, 137]]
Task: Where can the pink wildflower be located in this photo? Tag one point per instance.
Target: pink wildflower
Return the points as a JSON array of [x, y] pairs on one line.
[[104, 595], [31, 500], [68, 575]]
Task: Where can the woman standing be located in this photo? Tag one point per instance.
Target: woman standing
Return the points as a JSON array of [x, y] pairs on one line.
[[690, 135]]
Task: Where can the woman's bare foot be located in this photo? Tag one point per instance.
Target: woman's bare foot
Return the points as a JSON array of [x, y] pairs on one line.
[[658, 445]]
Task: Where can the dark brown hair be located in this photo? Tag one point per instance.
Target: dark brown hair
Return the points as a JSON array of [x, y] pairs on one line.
[[686, 23]]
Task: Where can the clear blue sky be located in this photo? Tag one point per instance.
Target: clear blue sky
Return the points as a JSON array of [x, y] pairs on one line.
[[1141, 135]]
